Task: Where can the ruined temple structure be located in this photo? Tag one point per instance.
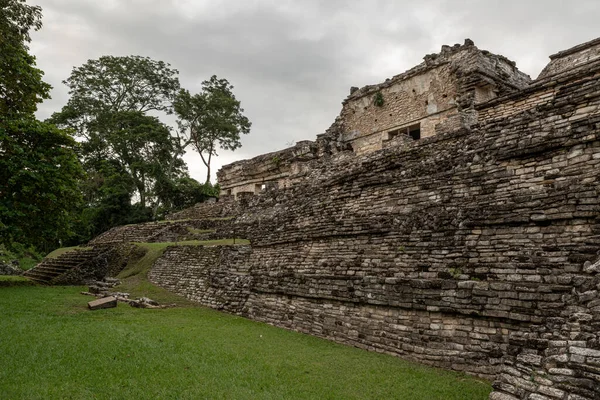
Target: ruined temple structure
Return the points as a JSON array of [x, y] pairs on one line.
[[435, 96], [450, 215]]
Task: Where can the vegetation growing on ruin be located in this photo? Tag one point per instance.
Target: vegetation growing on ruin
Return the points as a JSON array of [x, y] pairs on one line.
[[27, 257], [190, 353], [378, 99], [200, 231], [12, 280], [60, 251]]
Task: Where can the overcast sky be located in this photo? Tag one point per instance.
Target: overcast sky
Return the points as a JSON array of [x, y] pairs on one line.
[[293, 62]]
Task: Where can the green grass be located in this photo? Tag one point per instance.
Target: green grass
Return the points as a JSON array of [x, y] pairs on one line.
[[59, 252], [172, 221], [199, 231], [53, 348], [27, 263], [216, 242], [14, 280]]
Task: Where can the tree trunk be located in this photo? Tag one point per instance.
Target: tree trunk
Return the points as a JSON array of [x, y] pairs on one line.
[[142, 198], [141, 187], [208, 166], [207, 175]]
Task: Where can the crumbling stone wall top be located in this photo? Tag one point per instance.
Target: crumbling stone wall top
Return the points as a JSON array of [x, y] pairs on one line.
[[494, 65], [575, 56], [265, 171]]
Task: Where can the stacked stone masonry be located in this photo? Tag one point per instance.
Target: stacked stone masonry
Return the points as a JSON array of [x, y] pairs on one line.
[[435, 96], [474, 249]]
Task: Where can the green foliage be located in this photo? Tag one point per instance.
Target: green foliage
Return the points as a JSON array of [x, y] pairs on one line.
[[38, 183], [276, 160], [38, 166], [142, 145], [107, 201], [210, 119], [183, 192], [455, 272], [28, 257], [21, 85], [117, 84], [191, 353], [378, 99], [128, 155]]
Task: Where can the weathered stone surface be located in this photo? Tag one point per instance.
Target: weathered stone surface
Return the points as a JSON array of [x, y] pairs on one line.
[[144, 302], [10, 268], [106, 302]]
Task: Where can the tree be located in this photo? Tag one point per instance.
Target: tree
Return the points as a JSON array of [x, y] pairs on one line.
[[38, 182], [107, 202], [210, 119], [39, 169], [109, 100], [184, 192], [115, 84], [143, 146], [21, 85]]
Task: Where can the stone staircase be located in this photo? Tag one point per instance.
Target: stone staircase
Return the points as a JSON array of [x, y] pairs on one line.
[[51, 268]]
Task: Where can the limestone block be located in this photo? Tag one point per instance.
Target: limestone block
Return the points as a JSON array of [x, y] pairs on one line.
[[106, 302]]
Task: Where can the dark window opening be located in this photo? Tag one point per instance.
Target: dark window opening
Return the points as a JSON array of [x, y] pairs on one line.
[[414, 131], [394, 133]]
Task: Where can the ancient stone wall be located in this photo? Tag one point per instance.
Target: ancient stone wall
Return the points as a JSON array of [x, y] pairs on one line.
[[444, 85], [265, 172], [215, 276], [163, 231], [435, 96], [225, 207], [406, 102], [573, 57], [447, 249], [560, 358]]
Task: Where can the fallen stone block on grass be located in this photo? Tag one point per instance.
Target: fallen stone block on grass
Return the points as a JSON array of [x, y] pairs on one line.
[[106, 302], [144, 302], [96, 289]]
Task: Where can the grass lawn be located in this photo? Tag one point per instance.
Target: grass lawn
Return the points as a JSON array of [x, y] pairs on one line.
[[52, 347]]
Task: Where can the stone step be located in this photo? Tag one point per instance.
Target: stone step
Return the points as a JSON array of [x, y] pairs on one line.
[[45, 277], [53, 262], [37, 280], [54, 269]]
